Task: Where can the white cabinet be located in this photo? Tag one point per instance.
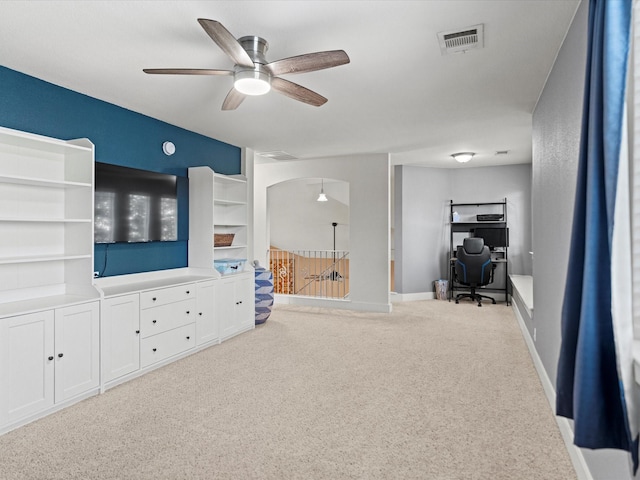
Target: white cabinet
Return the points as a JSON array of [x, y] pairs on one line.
[[150, 319], [235, 304], [77, 353], [120, 323], [207, 328], [26, 365], [46, 221], [167, 322], [246, 302], [47, 358]]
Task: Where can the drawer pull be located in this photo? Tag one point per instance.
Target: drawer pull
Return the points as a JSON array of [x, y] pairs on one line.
[[154, 349], [154, 299], [60, 355], [154, 321], [137, 332], [188, 338], [188, 312], [188, 292], [50, 358], [200, 313]]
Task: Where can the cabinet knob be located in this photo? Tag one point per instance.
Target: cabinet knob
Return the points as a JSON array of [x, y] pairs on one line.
[[154, 349], [50, 358], [60, 355], [154, 321], [137, 332], [200, 313], [153, 299], [188, 292], [188, 312], [188, 338]]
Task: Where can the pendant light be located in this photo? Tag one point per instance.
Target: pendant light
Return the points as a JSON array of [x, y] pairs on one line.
[[322, 197]]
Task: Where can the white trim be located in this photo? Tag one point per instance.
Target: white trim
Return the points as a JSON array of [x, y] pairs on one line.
[[575, 454], [411, 297], [282, 299]]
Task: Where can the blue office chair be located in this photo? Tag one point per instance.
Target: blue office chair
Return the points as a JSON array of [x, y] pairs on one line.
[[473, 268]]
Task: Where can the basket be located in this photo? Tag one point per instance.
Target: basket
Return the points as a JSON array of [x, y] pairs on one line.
[[229, 265], [223, 239]]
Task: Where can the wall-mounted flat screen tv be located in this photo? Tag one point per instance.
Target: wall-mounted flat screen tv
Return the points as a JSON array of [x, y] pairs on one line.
[[134, 205]]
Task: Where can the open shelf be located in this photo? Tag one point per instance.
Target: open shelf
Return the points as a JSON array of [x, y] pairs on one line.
[[46, 219]]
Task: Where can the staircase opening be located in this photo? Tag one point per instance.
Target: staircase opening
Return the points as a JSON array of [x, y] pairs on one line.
[[309, 240]]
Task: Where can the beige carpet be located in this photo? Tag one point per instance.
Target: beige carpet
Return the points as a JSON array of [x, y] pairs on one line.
[[433, 391]]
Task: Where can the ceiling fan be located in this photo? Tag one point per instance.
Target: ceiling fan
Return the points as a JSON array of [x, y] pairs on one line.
[[253, 74]]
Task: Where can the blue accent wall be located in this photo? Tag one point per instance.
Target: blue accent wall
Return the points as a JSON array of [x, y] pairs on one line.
[[121, 137]]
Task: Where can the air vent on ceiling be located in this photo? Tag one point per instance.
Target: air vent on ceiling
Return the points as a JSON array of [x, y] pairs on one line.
[[278, 155], [457, 41]]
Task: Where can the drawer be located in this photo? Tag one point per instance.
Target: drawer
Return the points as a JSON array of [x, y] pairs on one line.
[[167, 317], [163, 296], [164, 345]]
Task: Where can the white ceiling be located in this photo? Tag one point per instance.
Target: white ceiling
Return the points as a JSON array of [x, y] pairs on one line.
[[398, 94]]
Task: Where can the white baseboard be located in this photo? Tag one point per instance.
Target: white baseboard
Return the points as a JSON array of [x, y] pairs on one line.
[[579, 463], [280, 299], [411, 297]]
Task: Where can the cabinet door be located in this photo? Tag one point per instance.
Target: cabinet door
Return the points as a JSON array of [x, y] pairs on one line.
[[76, 350], [26, 365], [120, 321], [245, 302], [206, 323], [225, 307]]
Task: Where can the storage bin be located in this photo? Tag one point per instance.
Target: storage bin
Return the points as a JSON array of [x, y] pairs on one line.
[[223, 239], [229, 265]]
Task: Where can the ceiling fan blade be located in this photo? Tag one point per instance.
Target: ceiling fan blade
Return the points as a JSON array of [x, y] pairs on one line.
[[309, 62], [186, 71], [227, 42], [233, 100], [297, 92]]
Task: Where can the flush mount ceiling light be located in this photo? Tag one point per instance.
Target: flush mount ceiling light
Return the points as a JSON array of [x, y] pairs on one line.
[[463, 157], [322, 197], [252, 82]]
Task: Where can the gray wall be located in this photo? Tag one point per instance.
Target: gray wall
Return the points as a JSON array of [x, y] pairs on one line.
[[421, 197], [556, 139], [421, 216], [556, 142]]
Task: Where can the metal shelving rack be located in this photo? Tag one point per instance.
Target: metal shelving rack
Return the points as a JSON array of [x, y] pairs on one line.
[[465, 224]]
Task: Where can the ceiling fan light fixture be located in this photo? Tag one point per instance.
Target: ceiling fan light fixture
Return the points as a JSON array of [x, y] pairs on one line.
[[462, 157], [252, 82]]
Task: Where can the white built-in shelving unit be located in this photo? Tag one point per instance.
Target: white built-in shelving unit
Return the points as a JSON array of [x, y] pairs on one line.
[[46, 221], [217, 204], [49, 308]]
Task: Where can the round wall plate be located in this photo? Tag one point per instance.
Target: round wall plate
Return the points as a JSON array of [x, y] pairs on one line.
[[168, 148]]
